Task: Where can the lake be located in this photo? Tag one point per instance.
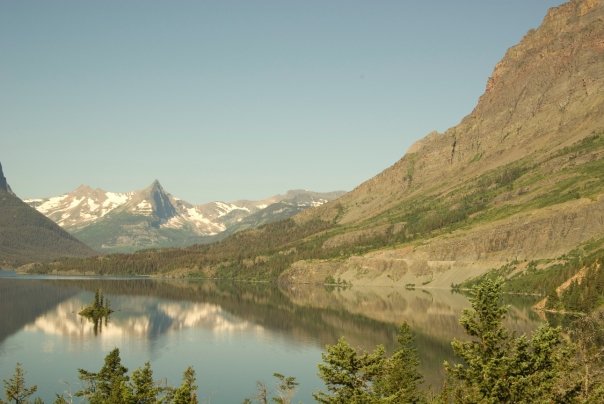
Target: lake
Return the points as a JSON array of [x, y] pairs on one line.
[[233, 334]]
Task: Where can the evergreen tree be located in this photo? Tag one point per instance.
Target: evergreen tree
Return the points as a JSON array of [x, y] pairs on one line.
[[286, 388], [400, 379], [553, 300], [15, 389], [186, 393], [109, 384], [144, 389], [498, 367], [349, 376], [588, 334]]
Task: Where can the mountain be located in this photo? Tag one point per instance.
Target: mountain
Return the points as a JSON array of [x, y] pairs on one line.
[[519, 178], [518, 184], [282, 207], [26, 235], [3, 184], [152, 217]]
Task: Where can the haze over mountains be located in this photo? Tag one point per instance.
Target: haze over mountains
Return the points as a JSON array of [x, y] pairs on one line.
[[152, 217]]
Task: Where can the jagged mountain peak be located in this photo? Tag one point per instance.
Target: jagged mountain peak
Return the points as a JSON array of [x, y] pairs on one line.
[[155, 185], [3, 184], [153, 201]]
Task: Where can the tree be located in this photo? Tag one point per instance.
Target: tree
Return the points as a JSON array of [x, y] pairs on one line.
[[349, 376], [109, 384], [285, 389], [144, 389], [186, 393], [499, 367], [400, 379], [588, 335], [15, 389]]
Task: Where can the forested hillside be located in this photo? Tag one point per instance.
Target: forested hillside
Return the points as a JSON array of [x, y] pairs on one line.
[[26, 235]]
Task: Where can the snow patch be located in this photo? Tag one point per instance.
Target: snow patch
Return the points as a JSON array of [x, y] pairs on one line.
[[51, 204], [144, 207], [175, 222], [225, 209], [320, 202], [93, 205], [115, 199]]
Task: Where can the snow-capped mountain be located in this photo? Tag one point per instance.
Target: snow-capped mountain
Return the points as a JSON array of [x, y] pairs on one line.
[[80, 207], [151, 217]]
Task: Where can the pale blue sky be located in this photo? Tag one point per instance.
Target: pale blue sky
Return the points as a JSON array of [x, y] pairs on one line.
[[225, 100]]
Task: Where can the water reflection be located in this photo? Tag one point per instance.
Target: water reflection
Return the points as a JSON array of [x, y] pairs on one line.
[[159, 315], [137, 317]]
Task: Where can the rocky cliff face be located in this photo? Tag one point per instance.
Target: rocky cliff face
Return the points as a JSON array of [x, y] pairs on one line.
[[547, 92], [3, 184], [535, 122]]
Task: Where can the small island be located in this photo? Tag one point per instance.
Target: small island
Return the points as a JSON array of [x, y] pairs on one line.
[[99, 309]]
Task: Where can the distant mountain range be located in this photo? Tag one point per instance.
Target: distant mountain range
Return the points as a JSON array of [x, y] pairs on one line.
[[152, 217], [26, 235]]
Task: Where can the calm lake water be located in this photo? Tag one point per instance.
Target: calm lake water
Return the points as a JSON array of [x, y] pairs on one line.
[[233, 334]]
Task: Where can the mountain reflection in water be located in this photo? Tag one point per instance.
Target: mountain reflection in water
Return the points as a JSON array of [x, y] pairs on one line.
[[138, 317]]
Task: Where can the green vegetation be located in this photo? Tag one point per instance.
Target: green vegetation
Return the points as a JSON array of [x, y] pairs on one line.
[[100, 308], [15, 389], [111, 384], [285, 390], [498, 367], [98, 311], [543, 277], [332, 283], [584, 294], [27, 235]]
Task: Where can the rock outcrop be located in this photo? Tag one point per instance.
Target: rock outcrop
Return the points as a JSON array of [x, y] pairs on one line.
[[3, 184]]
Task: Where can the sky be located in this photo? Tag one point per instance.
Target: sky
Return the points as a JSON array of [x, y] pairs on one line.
[[228, 100]]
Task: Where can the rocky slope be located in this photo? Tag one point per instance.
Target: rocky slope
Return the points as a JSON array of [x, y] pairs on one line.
[[26, 235], [152, 217], [541, 122]]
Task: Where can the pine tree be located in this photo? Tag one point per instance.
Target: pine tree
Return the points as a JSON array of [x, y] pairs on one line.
[[144, 389], [286, 388], [15, 389], [110, 383], [186, 393], [498, 367], [349, 376], [400, 379]]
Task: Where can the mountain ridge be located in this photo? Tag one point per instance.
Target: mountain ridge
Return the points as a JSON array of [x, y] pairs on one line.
[[520, 99], [152, 217]]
